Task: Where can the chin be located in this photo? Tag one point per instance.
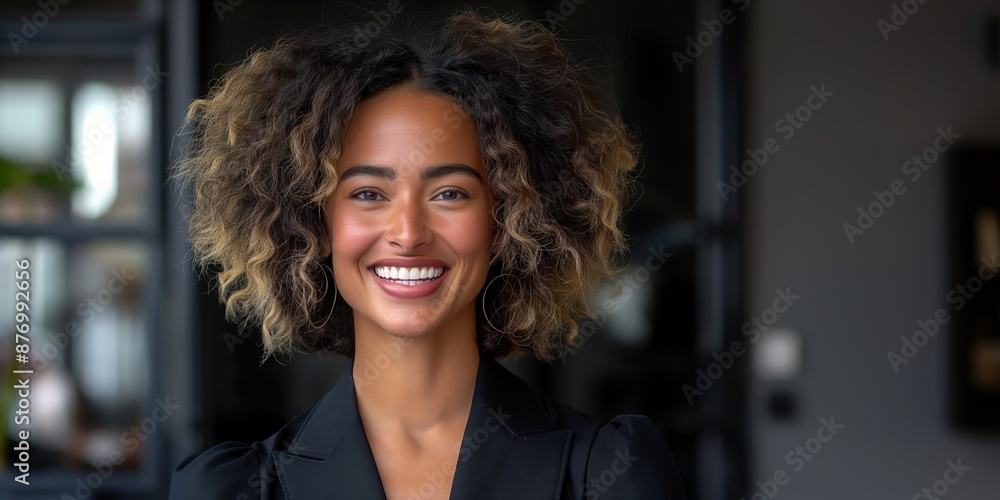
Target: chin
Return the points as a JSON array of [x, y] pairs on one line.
[[409, 325]]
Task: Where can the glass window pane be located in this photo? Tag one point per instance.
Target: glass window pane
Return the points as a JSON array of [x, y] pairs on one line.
[[89, 349], [30, 120], [75, 144], [95, 139]]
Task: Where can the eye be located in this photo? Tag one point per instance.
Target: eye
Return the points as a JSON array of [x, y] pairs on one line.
[[366, 194], [452, 194]]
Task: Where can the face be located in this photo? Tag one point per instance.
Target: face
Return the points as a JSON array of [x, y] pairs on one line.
[[410, 221]]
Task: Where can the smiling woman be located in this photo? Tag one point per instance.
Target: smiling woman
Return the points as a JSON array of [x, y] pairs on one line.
[[385, 200]]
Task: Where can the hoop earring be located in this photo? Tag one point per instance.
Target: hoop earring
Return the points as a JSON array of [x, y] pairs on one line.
[[486, 316], [332, 306]]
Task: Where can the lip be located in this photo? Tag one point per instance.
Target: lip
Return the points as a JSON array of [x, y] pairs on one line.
[[402, 291]]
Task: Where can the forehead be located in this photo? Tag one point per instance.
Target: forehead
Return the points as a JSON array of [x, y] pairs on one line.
[[406, 127]]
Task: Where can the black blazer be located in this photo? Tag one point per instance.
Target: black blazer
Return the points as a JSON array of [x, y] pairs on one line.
[[517, 444]]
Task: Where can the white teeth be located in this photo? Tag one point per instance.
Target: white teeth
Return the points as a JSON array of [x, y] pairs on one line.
[[409, 275]]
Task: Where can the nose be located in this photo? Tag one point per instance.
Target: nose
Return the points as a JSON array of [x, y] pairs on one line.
[[408, 228]]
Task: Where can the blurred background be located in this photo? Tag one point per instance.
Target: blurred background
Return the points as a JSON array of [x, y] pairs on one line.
[[811, 309]]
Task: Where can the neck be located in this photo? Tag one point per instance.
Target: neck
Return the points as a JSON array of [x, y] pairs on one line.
[[416, 384]]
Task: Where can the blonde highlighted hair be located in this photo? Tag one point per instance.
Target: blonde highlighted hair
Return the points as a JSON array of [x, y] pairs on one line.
[[267, 137]]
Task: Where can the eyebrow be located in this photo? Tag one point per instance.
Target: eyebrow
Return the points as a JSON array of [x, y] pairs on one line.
[[428, 173]]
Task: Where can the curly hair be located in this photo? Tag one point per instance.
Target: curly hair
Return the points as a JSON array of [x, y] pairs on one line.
[[266, 139]]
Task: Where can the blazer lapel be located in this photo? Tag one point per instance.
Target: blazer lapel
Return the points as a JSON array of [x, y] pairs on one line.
[[330, 457], [511, 447]]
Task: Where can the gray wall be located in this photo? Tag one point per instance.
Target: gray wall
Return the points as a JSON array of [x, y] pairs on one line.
[[857, 299]]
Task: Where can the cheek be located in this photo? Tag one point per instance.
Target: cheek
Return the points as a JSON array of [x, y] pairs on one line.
[[350, 237], [473, 237]]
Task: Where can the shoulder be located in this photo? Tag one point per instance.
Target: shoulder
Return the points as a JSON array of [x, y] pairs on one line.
[[232, 469], [630, 458], [624, 457], [224, 471]]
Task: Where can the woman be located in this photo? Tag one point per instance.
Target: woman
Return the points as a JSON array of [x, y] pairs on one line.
[[422, 207]]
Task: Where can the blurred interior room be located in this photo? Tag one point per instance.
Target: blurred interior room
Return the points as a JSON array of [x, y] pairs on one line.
[[811, 309]]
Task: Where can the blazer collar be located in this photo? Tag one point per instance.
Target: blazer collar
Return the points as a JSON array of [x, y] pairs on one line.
[[511, 446]]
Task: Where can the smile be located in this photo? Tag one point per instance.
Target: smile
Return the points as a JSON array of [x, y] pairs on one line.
[[411, 276]]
